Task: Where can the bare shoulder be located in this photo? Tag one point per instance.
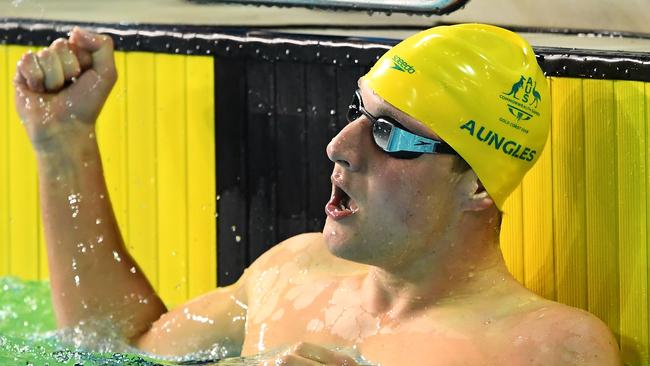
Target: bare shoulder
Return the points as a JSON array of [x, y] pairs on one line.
[[307, 251], [577, 336]]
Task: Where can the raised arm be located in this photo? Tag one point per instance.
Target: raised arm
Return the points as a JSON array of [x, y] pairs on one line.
[[59, 93]]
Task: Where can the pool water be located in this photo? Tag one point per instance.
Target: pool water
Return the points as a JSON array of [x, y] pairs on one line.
[[28, 336]]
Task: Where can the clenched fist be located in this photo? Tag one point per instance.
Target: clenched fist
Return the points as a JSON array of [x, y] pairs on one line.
[[60, 90]]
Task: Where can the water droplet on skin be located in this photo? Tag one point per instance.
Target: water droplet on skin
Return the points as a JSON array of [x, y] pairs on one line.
[[116, 256], [101, 196], [132, 270], [76, 280], [233, 228], [98, 221], [100, 239], [238, 238], [91, 135]]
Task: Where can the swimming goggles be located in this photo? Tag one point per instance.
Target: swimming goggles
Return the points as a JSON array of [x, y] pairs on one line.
[[393, 138]]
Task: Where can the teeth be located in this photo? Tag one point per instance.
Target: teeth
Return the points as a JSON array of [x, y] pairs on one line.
[[352, 205]]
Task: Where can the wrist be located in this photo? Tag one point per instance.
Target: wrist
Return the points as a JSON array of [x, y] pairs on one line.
[[77, 143]]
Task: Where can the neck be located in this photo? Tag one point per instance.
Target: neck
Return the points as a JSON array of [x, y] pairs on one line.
[[454, 271]]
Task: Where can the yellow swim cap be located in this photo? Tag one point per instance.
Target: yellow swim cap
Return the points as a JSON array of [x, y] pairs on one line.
[[479, 88]]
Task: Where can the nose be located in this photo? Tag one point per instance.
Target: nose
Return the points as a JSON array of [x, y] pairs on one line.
[[347, 147]]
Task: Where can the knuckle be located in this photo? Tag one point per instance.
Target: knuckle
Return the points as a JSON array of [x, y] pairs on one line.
[[44, 53], [107, 40], [60, 43]]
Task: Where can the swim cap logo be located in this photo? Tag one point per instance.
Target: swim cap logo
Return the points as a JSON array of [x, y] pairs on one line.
[[523, 99], [401, 65], [502, 143]]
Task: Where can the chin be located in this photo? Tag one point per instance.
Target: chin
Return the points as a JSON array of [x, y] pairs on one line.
[[347, 245]]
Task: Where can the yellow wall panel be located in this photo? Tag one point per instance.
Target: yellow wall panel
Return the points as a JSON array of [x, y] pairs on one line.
[[632, 206], [512, 234], [567, 142], [141, 169], [111, 131], [537, 212], [172, 174], [5, 89], [647, 185], [201, 177], [647, 177], [23, 197], [601, 200], [158, 157]]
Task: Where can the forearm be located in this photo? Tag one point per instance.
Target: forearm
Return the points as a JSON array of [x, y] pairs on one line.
[[92, 274]]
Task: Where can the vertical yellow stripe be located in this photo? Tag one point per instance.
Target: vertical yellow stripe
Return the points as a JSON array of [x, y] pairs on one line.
[[538, 226], [141, 170], [172, 187], [23, 188], [5, 89], [601, 201], [647, 176], [630, 120], [512, 236], [111, 135], [201, 176], [567, 143]]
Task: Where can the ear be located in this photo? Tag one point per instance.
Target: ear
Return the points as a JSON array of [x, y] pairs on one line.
[[476, 197]]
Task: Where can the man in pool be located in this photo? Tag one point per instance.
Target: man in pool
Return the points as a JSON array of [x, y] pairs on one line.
[[408, 269]]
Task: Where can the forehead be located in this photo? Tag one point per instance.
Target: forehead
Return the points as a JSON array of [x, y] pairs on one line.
[[377, 106]]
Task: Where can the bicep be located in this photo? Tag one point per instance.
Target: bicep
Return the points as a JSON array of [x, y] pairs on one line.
[[211, 321]]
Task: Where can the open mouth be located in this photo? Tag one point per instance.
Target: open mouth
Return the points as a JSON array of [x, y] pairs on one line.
[[340, 204]]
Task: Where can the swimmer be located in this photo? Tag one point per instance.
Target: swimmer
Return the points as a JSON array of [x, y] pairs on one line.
[[408, 268]]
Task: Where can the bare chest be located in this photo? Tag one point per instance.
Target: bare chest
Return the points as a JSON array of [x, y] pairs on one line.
[[330, 313]]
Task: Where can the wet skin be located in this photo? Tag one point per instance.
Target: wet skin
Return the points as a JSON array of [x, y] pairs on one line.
[[414, 276]]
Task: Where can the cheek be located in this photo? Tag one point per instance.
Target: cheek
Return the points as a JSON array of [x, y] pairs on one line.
[[409, 199], [395, 197]]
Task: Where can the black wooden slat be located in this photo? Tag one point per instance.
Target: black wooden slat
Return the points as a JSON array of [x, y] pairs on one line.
[[321, 127], [291, 149], [262, 159], [230, 112]]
